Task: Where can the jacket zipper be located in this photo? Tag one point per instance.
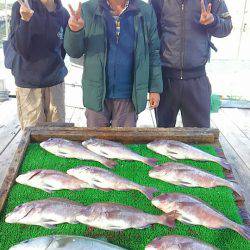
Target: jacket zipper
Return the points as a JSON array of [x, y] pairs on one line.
[[105, 62], [136, 25], [182, 39]]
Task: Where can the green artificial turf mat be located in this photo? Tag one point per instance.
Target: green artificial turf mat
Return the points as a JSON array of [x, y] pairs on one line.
[[221, 198]]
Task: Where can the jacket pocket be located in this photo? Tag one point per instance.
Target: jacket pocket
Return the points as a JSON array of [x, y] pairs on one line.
[[93, 92]]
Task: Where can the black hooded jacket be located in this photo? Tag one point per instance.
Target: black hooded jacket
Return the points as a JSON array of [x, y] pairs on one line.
[[39, 59]]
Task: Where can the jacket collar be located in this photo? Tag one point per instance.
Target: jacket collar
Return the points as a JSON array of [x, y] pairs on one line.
[[102, 4]]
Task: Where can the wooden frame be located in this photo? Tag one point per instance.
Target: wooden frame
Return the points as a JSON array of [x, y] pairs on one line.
[[124, 135]]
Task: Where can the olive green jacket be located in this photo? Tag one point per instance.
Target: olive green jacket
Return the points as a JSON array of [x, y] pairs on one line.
[[92, 43]]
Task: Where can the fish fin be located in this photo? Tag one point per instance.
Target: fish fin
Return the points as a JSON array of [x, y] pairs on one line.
[[185, 183], [225, 164], [48, 190], [150, 161], [48, 226], [103, 189], [147, 226], [242, 230], [109, 163], [148, 192], [105, 154], [237, 188], [171, 157], [169, 219], [185, 220]]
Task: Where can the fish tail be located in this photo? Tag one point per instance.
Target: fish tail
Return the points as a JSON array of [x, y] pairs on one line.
[[242, 230], [236, 188], [150, 161], [168, 219], [225, 164], [148, 191], [109, 163]]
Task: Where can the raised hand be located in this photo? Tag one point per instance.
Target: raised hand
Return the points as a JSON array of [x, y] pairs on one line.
[[76, 22], [25, 11], [206, 15]]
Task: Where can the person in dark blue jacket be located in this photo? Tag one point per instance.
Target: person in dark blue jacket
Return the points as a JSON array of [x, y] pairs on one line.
[[37, 32], [185, 28]]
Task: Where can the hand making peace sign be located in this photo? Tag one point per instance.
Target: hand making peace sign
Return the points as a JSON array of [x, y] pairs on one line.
[[206, 15], [76, 22], [25, 11]]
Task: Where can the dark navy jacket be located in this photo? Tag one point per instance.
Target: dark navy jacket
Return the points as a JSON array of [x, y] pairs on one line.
[[120, 54], [185, 43], [39, 61]]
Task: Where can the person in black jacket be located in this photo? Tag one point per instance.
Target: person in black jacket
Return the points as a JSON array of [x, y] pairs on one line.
[[37, 32], [185, 28]]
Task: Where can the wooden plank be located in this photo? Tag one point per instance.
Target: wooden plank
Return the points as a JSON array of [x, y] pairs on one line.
[[239, 169], [13, 169], [9, 124], [125, 135], [234, 136], [241, 118], [56, 124], [7, 156]]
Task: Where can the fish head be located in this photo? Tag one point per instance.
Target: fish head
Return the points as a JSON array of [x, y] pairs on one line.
[[51, 144], [18, 213], [81, 171], [90, 142], [164, 202], [36, 243], [160, 170], [155, 244], [25, 178]]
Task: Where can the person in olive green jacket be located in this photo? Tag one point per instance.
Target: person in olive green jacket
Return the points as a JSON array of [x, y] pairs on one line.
[[120, 44]]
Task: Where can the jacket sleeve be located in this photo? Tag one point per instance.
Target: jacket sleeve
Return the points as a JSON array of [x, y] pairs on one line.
[[155, 73], [21, 32], [157, 6], [222, 25], [75, 42], [66, 19]]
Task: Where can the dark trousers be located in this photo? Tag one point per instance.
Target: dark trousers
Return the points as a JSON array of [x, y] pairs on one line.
[[192, 97]]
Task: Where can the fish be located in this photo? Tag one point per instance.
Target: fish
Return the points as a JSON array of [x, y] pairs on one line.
[[46, 213], [51, 180], [117, 217], [105, 180], [184, 175], [191, 210], [177, 242], [115, 150], [177, 150], [64, 242], [70, 149]]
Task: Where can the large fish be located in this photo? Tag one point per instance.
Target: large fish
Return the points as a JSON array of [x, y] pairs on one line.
[[71, 149], [193, 211], [46, 213], [177, 242], [111, 216], [184, 175], [51, 180], [105, 180], [115, 150], [177, 150], [64, 242]]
